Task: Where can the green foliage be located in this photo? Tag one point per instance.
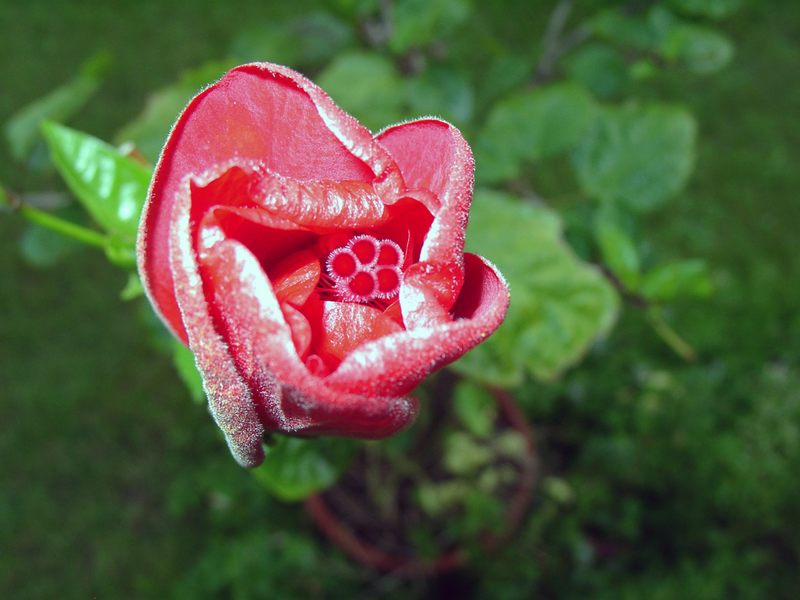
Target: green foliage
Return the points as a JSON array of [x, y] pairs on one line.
[[701, 49], [303, 41], [183, 359], [475, 407], [442, 92], [43, 248], [560, 305], [531, 125], [673, 280], [22, 129], [418, 23], [600, 68], [637, 156], [714, 9], [367, 85], [111, 187], [295, 467], [617, 248]]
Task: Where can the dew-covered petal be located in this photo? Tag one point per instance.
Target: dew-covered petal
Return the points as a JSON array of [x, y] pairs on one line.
[[397, 363], [261, 342], [256, 114]]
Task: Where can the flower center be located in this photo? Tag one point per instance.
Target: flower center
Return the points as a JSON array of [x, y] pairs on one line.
[[366, 269]]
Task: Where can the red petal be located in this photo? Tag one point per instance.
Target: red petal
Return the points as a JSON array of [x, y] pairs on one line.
[[433, 156], [295, 277], [258, 113], [261, 345], [344, 326], [395, 364], [229, 397]]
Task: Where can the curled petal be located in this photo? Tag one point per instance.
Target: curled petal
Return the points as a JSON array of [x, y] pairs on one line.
[[256, 114], [261, 345], [397, 363]]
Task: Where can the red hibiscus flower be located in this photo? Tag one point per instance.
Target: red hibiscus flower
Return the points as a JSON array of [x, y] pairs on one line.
[[316, 272]]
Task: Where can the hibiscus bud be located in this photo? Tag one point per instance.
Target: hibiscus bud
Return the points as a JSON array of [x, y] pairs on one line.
[[317, 272]]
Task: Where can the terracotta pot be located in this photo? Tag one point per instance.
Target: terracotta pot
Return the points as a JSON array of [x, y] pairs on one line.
[[337, 531]]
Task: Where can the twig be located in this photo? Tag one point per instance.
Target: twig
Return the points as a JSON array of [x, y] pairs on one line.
[[378, 32], [670, 337], [552, 40]]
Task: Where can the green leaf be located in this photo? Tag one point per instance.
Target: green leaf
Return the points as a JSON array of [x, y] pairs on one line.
[[532, 125], [367, 86], [700, 49], [43, 248], [618, 27], [149, 130], [638, 156], [22, 129], [559, 304], [618, 249], [443, 92], [475, 407], [673, 280], [133, 288], [464, 454], [110, 186], [308, 40], [714, 9], [600, 68], [418, 23], [295, 468], [183, 359]]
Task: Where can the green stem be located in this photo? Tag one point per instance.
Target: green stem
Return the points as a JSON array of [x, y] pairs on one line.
[[48, 221], [678, 345]]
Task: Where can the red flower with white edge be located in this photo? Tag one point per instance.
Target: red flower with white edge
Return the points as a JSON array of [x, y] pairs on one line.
[[317, 273]]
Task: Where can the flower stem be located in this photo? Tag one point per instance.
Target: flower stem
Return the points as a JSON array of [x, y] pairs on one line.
[[49, 221], [671, 337]]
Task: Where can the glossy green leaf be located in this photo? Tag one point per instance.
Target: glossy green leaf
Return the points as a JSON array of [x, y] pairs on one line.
[[715, 9], [110, 186], [367, 86], [559, 306], [673, 280], [700, 49], [418, 23], [295, 468], [183, 359], [618, 249], [600, 68], [23, 128], [637, 156], [307, 40], [149, 130], [475, 407], [532, 125]]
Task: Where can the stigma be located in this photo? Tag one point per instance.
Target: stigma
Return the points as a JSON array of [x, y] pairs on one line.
[[366, 269]]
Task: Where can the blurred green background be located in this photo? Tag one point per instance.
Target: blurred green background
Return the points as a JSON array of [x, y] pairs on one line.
[[669, 467]]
